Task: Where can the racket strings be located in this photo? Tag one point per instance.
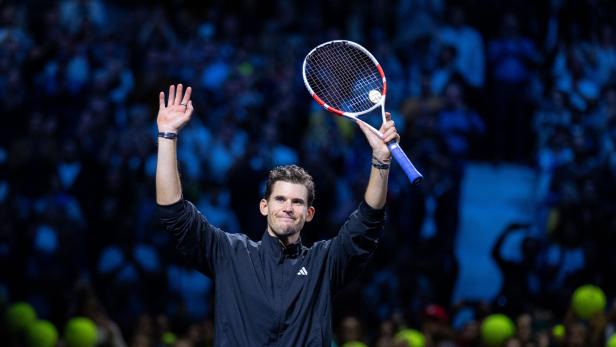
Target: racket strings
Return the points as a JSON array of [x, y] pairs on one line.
[[349, 77], [343, 76]]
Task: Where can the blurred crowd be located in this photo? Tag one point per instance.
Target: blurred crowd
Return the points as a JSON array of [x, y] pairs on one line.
[[533, 83]]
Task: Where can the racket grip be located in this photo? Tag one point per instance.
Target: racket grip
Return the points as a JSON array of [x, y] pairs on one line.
[[404, 162]]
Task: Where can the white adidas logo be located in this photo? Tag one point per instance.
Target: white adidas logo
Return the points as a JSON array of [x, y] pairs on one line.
[[302, 272]]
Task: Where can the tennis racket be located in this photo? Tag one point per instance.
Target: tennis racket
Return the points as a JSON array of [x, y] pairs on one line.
[[346, 80]]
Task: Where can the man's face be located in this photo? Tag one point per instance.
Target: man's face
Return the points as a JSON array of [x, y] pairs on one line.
[[286, 210]]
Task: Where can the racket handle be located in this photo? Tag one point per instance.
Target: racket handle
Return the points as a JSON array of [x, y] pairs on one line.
[[404, 162]]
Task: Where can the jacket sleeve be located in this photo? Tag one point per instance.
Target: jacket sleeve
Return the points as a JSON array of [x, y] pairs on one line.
[[204, 245], [356, 242]]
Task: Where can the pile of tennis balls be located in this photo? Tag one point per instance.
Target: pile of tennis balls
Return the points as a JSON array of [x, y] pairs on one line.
[[21, 320]]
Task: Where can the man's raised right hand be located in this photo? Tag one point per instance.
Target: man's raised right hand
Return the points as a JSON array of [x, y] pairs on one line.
[[177, 112]]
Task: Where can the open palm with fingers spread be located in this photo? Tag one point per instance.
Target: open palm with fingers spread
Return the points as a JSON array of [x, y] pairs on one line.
[[173, 116]]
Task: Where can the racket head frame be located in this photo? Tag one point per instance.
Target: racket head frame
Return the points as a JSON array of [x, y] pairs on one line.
[[397, 152], [351, 115]]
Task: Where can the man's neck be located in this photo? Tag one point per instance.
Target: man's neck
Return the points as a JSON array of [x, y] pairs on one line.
[[285, 241]]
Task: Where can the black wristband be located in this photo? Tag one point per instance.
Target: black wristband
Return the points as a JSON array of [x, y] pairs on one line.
[[168, 135], [380, 166]]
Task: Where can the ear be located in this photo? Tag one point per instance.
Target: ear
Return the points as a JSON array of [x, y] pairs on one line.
[[263, 207], [310, 213]]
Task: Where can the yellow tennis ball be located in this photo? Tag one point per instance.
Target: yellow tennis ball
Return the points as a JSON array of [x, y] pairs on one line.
[[169, 338], [558, 331], [496, 329], [374, 96], [587, 301], [19, 317], [612, 341], [42, 334], [412, 337], [354, 344], [80, 332]]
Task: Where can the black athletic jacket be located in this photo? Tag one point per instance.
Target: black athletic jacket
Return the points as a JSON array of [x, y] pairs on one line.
[[267, 295]]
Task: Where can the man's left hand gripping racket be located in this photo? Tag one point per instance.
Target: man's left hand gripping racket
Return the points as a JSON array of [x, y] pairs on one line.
[[346, 80]]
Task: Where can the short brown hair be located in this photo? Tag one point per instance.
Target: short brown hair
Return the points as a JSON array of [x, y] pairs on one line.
[[291, 174]]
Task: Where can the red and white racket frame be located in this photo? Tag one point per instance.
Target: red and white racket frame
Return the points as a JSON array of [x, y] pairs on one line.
[[393, 146]]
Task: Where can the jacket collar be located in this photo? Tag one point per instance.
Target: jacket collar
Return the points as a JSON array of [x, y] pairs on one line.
[[278, 250]]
